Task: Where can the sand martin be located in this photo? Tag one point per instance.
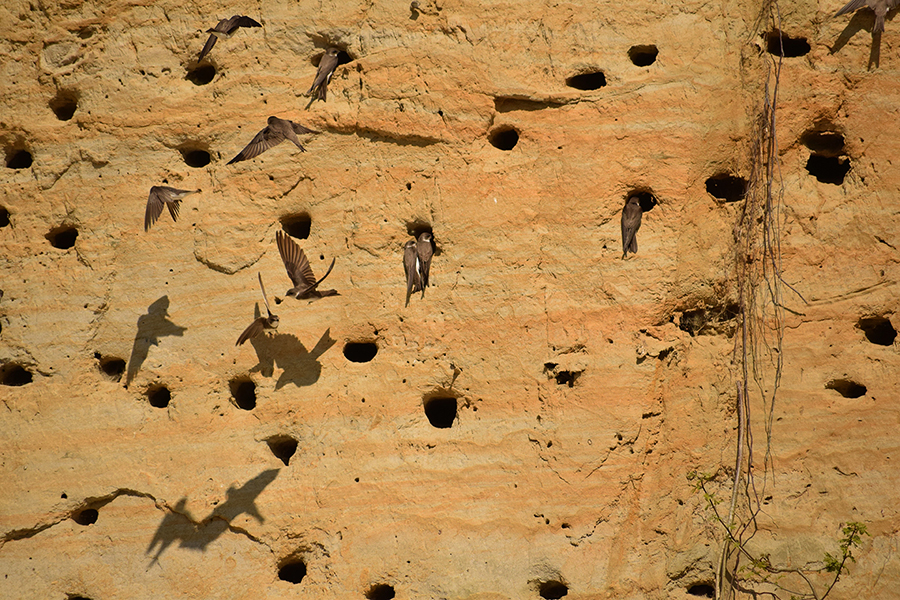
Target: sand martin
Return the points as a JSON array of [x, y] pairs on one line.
[[262, 323], [276, 132], [224, 30], [160, 196], [298, 269], [631, 222], [424, 252], [411, 267], [881, 8], [327, 65]]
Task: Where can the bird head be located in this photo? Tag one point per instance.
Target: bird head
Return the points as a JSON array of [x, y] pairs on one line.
[[273, 321], [332, 51]]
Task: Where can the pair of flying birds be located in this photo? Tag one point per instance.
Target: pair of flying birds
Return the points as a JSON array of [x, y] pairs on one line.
[[306, 286], [226, 28]]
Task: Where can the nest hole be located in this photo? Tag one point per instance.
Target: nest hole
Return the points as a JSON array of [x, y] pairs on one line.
[[13, 375], [828, 169], [297, 226], [567, 378], [62, 237], [4, 217], [292, 571], [878, 330], [440, 411], [781, 44], [504, 138], [702, 590], [380, 591], [111, 366], [283, 447], [727, 187], [587, 81], [87, 516], [646, 199], [553, 590], [360, 352], [159, 396], [243, 392], [643, 56], [715, 320], [195, 157], [64, 105], [824, 142], [18, 159], [847, 388], [201, 75], [76, 597]]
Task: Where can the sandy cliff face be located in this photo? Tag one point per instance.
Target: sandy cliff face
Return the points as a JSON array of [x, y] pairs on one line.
[[527, 427]]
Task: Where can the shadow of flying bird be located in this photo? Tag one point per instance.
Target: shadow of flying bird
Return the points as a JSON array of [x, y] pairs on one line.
[[300, 366], [150, 328]]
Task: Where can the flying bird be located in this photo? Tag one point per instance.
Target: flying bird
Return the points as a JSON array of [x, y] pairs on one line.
[[275, 132], [298, 269], [262, 323], [631, 222], [224, 30], [327, 65], [881, 8], [163, 196], [411, 267]]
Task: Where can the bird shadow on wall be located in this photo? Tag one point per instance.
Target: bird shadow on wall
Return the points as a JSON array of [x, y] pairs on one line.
[[179, 526], [861, 21], [150, 328], [300, 366]]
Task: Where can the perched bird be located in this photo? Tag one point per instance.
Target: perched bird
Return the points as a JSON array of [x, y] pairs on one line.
[[326, 69], [881, 8], [262, 323], [163, 195], [298, 269], [225, 29], [411, 267], [276, 132], [631, 222], [424, 252]]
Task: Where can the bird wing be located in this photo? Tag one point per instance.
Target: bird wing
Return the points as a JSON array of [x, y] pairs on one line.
[[263, 288], [850, 7], [207, 47], [327, 65], [242, 21], [291, 135], [298, 128], [295, 262], [255, 328], [263, 140], [155, 205]]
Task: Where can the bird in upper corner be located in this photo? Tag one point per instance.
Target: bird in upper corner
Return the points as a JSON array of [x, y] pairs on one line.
[[327, 65], [298, 269], [261, 324], [631, 222], [275, 132], [224, 30], [417, 263], [163, 196], [881, 8]]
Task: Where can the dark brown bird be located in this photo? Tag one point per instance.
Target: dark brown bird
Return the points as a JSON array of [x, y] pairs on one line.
[[160, 196], [411, 267], [276, 132], [262, 323], [327, 65], [631, 222], [424, 252], [225, 29], [298, 269], [881, 8]]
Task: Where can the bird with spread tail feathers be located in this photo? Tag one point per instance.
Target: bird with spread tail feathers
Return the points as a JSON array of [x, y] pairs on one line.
[[631, 222], [224, 29], [275, 132], [298, 269], [881, 8], [163, 196], [261, 324], [327, 65]]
